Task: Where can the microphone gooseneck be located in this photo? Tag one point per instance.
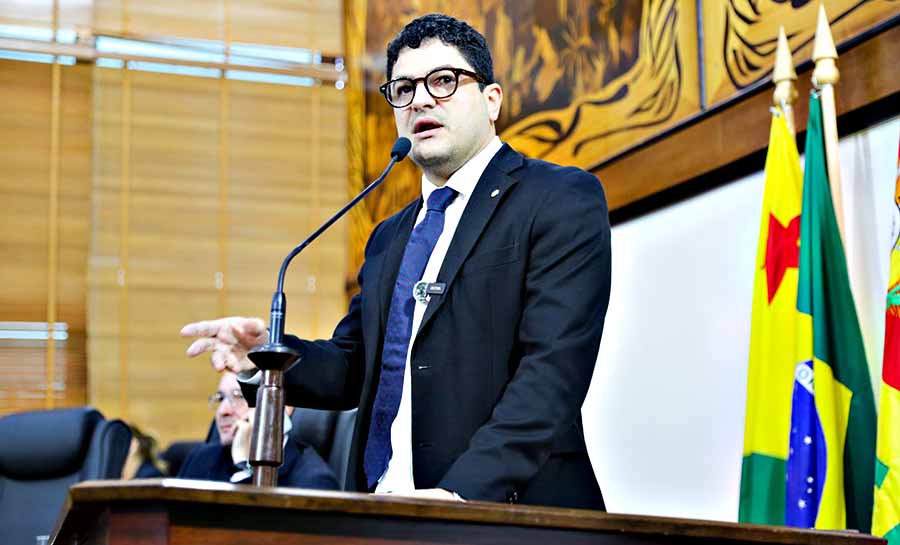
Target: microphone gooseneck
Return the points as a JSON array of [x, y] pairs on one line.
[[399, 151]]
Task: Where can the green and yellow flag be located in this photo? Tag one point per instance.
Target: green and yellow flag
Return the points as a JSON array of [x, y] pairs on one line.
[[886, 518], [831, 461], [772, 334]]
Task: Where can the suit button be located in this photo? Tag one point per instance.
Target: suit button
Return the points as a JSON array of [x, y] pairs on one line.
[[513, 497]]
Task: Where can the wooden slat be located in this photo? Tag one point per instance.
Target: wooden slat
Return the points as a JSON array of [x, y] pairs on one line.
[[53, 226]]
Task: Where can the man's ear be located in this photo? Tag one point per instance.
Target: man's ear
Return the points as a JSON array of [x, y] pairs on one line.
[[493, 96]]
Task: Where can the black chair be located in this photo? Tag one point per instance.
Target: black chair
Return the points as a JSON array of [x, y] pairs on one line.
[[43, 453], [177, 453], [329, 432]]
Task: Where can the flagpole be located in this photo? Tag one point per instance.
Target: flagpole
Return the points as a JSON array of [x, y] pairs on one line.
[[784, 77], [825, 76]]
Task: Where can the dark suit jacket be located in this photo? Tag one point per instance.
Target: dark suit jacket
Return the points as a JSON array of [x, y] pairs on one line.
[[503, 359], [302, 467]]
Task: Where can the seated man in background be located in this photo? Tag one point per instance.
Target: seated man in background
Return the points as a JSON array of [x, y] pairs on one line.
[[227, 459]]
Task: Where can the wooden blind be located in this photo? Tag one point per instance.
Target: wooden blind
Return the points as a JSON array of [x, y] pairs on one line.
[[27, 277], [309, 24], [76, 13], [138, 201], [218, 181]]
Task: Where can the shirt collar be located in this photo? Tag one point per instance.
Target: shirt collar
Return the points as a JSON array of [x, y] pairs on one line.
[[463, 181]]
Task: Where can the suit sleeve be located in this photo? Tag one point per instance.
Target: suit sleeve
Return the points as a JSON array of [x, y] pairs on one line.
[[329, 373], [566, 294]]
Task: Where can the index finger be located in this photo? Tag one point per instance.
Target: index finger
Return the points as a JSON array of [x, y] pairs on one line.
[[207, 328]]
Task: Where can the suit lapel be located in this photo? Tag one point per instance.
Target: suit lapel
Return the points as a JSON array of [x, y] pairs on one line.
[[390, 265], [478, 212]]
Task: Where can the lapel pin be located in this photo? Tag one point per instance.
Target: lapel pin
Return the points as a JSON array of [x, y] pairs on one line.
[[494, 193]]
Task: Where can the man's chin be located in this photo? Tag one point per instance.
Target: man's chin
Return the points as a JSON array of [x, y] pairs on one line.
[[429, 155]]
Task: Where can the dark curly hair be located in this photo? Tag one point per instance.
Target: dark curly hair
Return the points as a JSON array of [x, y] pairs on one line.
[[470, 43]]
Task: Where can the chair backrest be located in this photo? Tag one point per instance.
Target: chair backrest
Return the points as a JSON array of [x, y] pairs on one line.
[[177, 453], [329, 432], [42, 453]]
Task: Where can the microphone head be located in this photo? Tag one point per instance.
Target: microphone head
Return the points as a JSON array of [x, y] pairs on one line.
[[401, 148]]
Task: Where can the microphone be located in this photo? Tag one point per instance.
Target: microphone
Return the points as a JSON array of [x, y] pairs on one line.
[[266, 449], [401, 147]]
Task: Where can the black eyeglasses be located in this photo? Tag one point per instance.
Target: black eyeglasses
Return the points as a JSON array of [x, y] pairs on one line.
[[440, 83]]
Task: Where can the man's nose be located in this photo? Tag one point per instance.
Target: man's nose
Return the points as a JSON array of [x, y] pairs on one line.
[[422, 97]]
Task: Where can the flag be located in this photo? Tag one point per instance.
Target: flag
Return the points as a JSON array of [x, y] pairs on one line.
[[772, 332], [831, 456], [886, 516]]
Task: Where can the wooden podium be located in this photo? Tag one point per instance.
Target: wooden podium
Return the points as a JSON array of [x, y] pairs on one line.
[[172, 511]]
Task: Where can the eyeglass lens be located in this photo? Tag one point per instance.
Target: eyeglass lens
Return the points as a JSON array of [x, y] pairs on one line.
[[236, 398], [439, 84]]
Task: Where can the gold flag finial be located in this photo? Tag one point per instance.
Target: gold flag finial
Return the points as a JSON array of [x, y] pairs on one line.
[[824, 53], [784, 76]]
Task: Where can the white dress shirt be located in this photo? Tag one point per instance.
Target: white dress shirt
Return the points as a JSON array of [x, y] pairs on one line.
[[398, 477]]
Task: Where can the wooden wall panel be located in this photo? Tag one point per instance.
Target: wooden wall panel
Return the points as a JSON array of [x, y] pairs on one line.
[[740, 35], [868, 90]]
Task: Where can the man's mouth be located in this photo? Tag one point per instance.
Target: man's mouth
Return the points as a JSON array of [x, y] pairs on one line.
[[425, 128]]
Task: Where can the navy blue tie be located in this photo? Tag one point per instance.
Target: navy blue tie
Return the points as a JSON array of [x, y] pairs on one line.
[[398, 331]]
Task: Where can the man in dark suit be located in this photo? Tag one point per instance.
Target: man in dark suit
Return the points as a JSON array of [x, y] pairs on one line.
[[471, 345], [224, 456]]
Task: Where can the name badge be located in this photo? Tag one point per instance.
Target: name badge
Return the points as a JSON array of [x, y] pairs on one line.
[[423, 291]]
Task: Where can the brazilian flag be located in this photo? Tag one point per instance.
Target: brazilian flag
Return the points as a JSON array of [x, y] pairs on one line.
[[831, 456]]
